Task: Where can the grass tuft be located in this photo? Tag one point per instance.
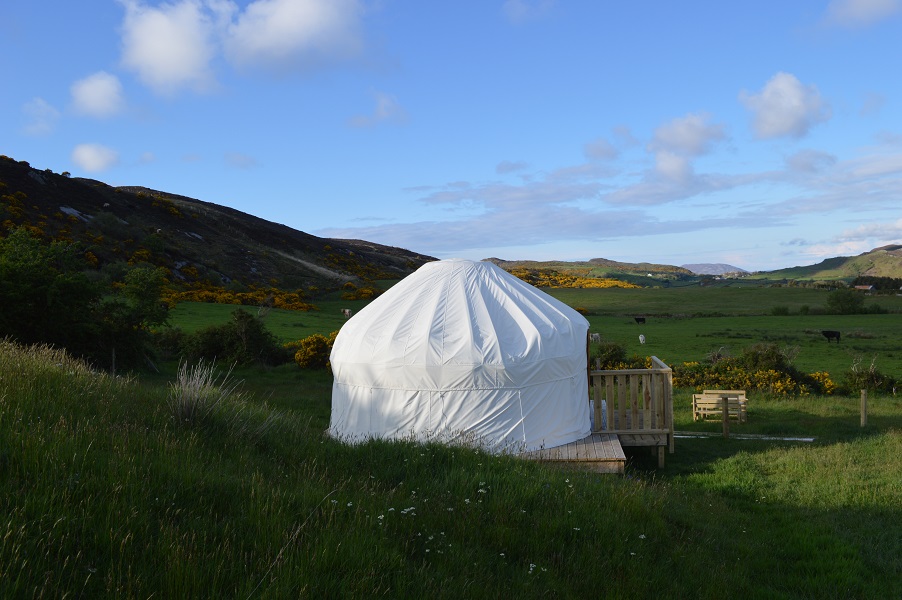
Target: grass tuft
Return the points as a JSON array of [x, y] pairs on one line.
[[199, 392]]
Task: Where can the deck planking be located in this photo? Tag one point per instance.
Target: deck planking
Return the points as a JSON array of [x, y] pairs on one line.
[[599, 452]]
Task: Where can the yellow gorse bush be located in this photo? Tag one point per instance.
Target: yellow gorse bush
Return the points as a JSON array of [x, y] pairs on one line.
[[555, 279]]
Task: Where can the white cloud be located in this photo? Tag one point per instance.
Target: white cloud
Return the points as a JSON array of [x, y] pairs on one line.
[[691, 135], [785, 107], [41, 116], [679, 140], [94, 157], [860, 13], [387, 110], [879, 233], [174, 46], [600, 149], [170, 47], [294, 35], [520, 11], [673, 166], [810, 161], [98, 95]]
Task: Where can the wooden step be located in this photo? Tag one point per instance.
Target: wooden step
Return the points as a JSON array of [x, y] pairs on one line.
[[599, 452]]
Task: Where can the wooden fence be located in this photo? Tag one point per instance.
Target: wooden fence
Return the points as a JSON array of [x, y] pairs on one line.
[[635, 404]]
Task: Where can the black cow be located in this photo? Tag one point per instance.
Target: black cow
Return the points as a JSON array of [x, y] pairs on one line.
[[640, 320], [831, 335]]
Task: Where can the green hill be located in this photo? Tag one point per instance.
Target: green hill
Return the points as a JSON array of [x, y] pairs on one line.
[[195, 240], [879, 262]]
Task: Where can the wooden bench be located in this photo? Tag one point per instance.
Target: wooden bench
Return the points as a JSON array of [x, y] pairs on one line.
[[709, 404]]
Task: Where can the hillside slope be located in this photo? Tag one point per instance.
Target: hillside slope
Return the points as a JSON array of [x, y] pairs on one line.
[[885, 261], [195, 240]]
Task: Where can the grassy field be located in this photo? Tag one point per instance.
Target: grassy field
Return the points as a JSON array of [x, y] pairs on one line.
[[704, 320], [107, 491]]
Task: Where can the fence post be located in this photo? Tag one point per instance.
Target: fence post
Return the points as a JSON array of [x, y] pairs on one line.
[[725, 407], [864, 408]]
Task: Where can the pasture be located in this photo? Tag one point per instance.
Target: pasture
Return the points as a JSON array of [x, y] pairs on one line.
[[682, 324]]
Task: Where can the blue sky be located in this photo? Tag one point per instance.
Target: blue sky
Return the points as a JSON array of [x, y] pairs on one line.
[[762, 134]]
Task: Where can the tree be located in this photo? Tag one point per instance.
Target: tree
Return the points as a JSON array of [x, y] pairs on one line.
[[845, 302], [125, 318], [44, 295]]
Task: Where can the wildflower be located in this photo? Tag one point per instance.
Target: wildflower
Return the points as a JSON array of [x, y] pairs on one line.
[[577, 529], [350, 503], [641, 536]]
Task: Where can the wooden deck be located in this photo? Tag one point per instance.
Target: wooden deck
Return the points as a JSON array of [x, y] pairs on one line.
[[599, 452], [630, 407]]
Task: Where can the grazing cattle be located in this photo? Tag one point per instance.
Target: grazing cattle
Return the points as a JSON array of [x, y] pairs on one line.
[[831, 335], [641, 339], [640, 320], [347, 312], [595, 338]]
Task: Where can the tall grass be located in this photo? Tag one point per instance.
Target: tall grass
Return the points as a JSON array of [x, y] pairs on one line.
[[104, 493]]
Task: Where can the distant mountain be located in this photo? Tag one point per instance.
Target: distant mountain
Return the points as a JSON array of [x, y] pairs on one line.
[[195, 240], [713, 269]]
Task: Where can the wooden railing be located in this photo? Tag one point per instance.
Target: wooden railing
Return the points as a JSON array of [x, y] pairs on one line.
[[634, 402]]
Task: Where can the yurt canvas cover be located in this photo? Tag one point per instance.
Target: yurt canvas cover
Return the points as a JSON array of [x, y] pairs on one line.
[[462, 350]]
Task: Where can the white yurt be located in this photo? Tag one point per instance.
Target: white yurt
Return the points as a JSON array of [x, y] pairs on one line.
[[462, 351]]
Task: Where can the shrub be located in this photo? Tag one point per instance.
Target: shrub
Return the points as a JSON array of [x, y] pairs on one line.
[[764, 367], [768, 356], [780, 311], [313, 351], [866, 378], [610, 355], [169, 342], [362, 293], [243, 340]]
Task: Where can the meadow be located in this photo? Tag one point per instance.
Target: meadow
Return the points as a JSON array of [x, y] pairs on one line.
[[110, 488], [682, 324]]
